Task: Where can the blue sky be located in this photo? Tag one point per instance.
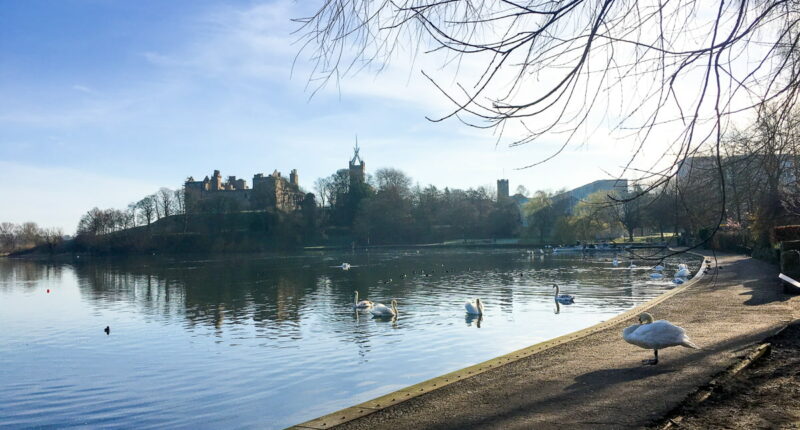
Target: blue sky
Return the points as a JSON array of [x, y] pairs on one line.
[[103, 102]]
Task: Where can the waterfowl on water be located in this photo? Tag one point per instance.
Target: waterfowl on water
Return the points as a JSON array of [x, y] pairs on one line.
[[563, 298], [381, 310], [656, 335], [683, 271], [107, 330], [363, 304], [345, 266], [474, 308]]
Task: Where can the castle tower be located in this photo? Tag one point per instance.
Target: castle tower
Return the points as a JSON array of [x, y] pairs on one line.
[[293, 178], [357, 170], [216, 181], [502, 189]]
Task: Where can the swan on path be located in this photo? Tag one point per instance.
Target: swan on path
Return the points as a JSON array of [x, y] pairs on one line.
[[563, 298], [656, 335], [381, 310], [362, 304], [474, 308]]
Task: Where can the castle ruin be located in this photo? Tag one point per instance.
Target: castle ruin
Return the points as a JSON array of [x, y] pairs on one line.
[[269, 192]]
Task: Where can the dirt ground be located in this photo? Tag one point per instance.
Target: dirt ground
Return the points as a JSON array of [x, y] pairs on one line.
[[765, 396]]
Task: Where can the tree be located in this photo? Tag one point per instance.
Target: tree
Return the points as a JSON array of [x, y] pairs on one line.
[[164, 201], [147, 209]]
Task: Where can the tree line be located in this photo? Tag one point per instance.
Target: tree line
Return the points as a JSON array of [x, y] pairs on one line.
[[20, 237]]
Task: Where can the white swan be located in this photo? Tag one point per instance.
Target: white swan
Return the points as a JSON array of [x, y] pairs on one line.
[[656, 275], [381, 310], [362, 304], [683, 271], [658, 268], [656, 335], [474, 308], [678, 281], [563, 298], [344, 266], [615, 262]]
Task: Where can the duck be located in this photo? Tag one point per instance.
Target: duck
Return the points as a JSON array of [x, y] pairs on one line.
[[563, 298], [363, 304], [656, 335], [474, 308], [382, 311]]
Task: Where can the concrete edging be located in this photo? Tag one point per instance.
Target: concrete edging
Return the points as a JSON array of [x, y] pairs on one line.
[[371, 406]]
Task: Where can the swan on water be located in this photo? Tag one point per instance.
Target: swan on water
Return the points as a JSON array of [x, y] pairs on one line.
[[563, 298], [474, 308], [615, 262], [381, 310], [678, 281], [656, 275], [683, 271], [655, 335], [362, 304], [658, 268], [344, 266]]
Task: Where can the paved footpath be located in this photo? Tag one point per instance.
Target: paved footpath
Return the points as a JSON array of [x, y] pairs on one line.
[[598, 381]]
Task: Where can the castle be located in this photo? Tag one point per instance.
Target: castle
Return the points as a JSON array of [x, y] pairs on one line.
[[269, 192]]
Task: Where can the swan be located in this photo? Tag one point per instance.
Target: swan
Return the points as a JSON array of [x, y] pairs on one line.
[[381, 310], [362, 304], [656, 335], [678, 281], [656, 275], [658, 268], [615, 262], [474, 308], [563, 298], [683, 271], [345, 266]]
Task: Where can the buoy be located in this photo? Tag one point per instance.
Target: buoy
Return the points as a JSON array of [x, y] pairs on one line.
[[48, 291]]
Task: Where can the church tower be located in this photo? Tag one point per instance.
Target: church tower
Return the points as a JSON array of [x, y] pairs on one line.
[[357, 168]]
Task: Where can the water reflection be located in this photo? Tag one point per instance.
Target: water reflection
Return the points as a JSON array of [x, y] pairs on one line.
[[243, 332]]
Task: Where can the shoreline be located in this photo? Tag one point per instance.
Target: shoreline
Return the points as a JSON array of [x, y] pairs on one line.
[[389, 400]]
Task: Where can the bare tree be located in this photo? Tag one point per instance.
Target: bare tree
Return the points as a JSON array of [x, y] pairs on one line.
[[164, 201], [147, 208]]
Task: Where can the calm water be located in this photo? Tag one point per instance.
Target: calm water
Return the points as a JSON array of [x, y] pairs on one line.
[[264, 341]]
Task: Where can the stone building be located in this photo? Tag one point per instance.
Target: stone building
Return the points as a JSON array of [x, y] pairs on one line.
[[502, 189], [269, 192], [357, 170]]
